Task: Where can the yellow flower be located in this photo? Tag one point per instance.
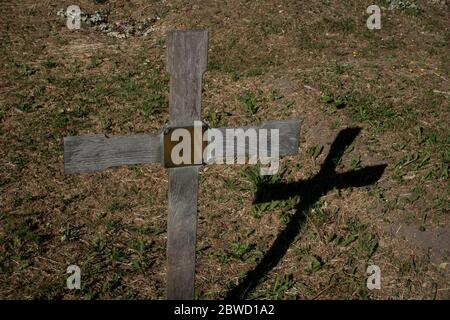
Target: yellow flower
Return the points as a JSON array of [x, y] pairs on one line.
[[355, 53]]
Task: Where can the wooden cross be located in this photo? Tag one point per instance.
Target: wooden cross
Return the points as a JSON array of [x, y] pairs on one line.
[[187, 52]]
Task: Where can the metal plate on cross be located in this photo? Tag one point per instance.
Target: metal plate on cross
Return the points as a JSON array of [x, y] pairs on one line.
[[183, 146]]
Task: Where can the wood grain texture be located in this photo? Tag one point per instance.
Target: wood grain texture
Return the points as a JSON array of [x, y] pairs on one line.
[[182, 232], [289, 137], [289, 134], [186, 61], [98, 152], [187, 53]]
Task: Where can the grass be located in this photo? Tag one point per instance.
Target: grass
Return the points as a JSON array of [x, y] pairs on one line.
[[264, 63], [248, 101]]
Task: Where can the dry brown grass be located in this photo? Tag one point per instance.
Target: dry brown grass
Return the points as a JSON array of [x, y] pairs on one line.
[[288, 54]]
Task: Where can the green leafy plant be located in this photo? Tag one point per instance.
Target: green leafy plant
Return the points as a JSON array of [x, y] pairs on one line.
[[248, 100], [315, 264], [315, 151]]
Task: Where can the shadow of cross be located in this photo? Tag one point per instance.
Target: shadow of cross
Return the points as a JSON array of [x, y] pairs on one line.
[[310, 191], [187, 52]]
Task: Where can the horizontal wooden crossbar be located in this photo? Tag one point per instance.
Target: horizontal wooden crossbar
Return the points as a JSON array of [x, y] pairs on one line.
[[98, 152]]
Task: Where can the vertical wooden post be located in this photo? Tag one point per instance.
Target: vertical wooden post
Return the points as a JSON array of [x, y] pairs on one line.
[[187, 53]]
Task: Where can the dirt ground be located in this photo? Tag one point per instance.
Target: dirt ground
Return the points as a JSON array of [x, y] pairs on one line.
[[369, 186]]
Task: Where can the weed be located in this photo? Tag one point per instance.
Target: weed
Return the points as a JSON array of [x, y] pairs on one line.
[[281, 285], [115, 205], [315, 264], [248, 100], [50, 63], [240, 250], [356, 163], [315, 151], [368, 244]]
